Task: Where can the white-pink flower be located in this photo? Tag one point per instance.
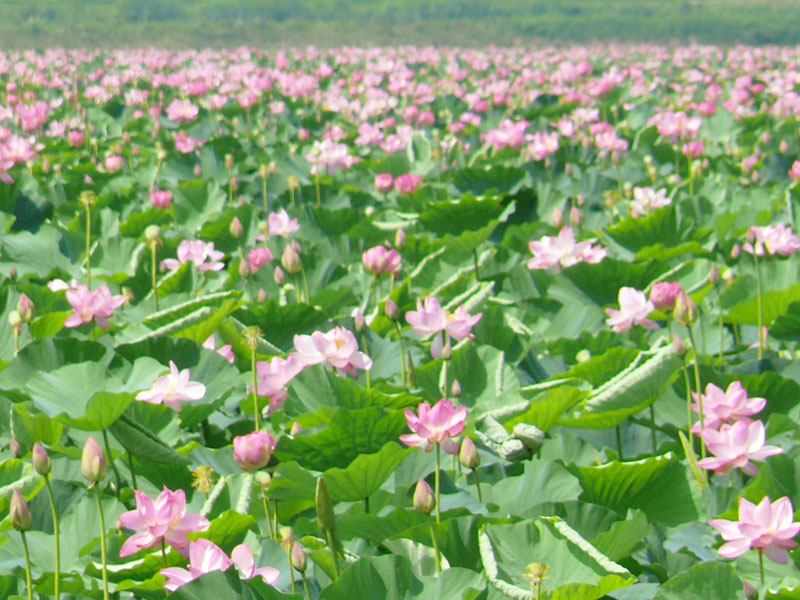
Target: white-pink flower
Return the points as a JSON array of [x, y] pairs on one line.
[[562, 252], [634, 309], [173, 388], [243, 558], [437, 425], [274, 376], [182, 111], [338, 348], [431, 319], [281, 224], [98, 305], [646, 200], [724, 407], [225, 352], [204, 557], [198, 252], [734, 446], [775, 240], [767, 527]]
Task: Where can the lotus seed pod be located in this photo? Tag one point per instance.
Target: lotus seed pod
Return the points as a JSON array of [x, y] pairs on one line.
[[15, 320], [229, 161], [583, 355], [424, 499], [152, 234]]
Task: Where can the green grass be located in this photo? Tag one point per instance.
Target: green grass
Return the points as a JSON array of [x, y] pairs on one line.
[[272, 23]]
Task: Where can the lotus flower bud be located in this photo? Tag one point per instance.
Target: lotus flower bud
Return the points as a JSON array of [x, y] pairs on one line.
[[536, 572], [291, 258], [783, 147], [262, 295], [253, 451], [12, 272], [455, 389], [469, 454], [558, 218], [360, 321], [714, 276], [198, 170], [392, 310], [369, 212], [279, 276], [400, 239], [286, 535], [16, 448], [384, 183], [424, 500], [93, 461], [21, 517], [576, 217], [685, 311], [663, 294], [41, 461], [229, 161], [736, 252], [750, 591], [447, 351], [15, 320], [298, 557], [244, 269], [296, 428], [236, 228]]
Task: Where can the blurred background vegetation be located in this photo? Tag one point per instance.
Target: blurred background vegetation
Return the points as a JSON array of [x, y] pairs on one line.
[[274, 23]]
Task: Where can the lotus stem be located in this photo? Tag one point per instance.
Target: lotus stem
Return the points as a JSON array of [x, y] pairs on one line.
[[760, 563], [256, 408], [619, 443], [435, 546], [88, 246], [436, 482], [113, 463], [269, 518], [698, 388], [329, 537], [402, 354], [57, 535], [291, 566], [154, 273], [653, 428], [760, 300], [305, 585], [478, 484], [133, 472], [103, 550], [28, 566]]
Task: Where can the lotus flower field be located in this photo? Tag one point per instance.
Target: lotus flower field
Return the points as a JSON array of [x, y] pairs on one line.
[[400, 323]]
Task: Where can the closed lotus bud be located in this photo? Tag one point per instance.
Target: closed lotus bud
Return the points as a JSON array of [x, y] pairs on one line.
[[678, 345], [447, 351], [15, 320], [263, 171], [455, 389], [424, 500], [469, 454], [41, 462], [400, 239], [298, 557], [392, 310], [93, 461], [291, 259], [369, 211], [253, 451], [12, 272], [262, 295], [198, 170], [750, 591], [244, 269], [751, 235], [229, 161], [558, 218], [783, 147], [296, 428], [153, 235], [576, 216], [236, 228], [279, 276], [736, 252], [16, 448], [286, 535], [21, 517], [714, 276], [360, 321], [685, 311]]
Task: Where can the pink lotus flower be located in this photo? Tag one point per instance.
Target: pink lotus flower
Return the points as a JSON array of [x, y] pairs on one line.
[[766, 527], [274, 376], [508, 135], [76, 138], [225, 352], [634, 308], [185, 144], [330, 157], [253, 451], [196, 251], [384, 183], [114, 163], [775, 240], [663, 295], [204, 557], [734, 446], [161, 520], [173, 388], [646, 200], [98, 305], [794, 172], [431, 319], [338, 348], [182, 111], [380, 260], [407, 184], [258, 257], [562, 252], [242, 557], [724, 407], [280, 224], [435, 425], [161, 198]]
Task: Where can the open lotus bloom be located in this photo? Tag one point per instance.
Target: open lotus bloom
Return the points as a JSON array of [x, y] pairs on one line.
[[437, 425], [431, 319], [337, 349], [202, 254], [173, 388], [561, 252], [204, 557], [243, 558], [726, 407], [98, 305], [772, 240], [634, 307], [767, 527], [734, 446]]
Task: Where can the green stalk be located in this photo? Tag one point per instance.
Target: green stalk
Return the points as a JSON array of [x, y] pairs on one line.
[[57, 535], [305, 585], [16, 341], [435, 547], [133, 473], [153, 269], [103, 549], [305, 285], [88, 247], [402, 355], [164, 552], [761, 341], [28, 566], [688, 402], [113, 463], [264, 191], [291, 568], [477, 485], [653, 428], [760, 563], [698, 388], [619, 442], [230, 185], [721, 326], [329, 537], [269, 518], [316, 186], [256, 409], [438, 511]]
